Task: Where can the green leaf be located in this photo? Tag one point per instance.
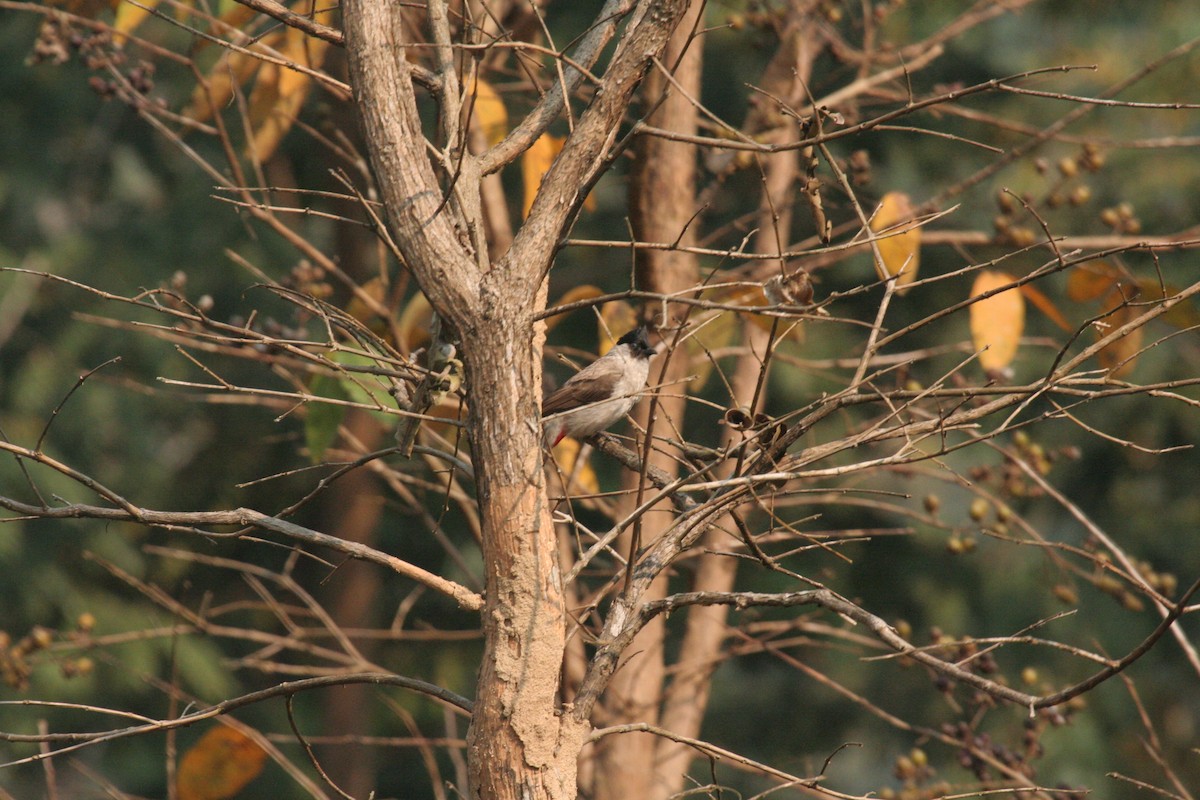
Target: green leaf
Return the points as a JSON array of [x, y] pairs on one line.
[[320, 427]]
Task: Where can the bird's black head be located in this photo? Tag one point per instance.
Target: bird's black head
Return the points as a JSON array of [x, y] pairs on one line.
[[638, 343]]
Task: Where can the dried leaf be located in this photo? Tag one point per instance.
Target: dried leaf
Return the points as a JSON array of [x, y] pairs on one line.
[[1120, 357], [535, 164], [789, 288], [900, 253], [219, 765], [998, 321], [232, 70]]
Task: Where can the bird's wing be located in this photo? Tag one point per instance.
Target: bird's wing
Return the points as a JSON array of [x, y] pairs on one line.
[[579, 391]]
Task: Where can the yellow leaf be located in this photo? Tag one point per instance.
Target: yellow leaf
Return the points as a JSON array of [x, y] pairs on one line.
[[219, 765], [282, 98], [574, 295], [129, 17], [233, 14], [265, 94], [414, 323], [231, 71], [754, 296], [617, 317], [535, 164], [998, 321], [582, 476], [489, 111], [901, 252], [451, 408]]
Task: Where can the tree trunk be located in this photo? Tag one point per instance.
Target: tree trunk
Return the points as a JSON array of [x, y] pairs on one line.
[[518, 745]]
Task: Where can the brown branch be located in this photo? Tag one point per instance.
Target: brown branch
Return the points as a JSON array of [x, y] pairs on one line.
[[293, 20]]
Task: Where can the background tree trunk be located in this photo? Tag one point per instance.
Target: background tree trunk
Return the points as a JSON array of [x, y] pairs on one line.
[[663, 202]]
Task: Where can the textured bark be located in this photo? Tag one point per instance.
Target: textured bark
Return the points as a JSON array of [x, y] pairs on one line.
[[662, 200]]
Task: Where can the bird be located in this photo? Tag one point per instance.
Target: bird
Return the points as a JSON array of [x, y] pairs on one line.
[[600, 393]]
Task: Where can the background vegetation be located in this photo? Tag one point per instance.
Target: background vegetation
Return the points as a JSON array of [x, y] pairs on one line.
[[90, 193]]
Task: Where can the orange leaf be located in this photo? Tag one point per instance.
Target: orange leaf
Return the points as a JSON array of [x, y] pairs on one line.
[[1045, 305], [997, 321], [900, 252], [1091, 281], [535, 164], [219, 765]]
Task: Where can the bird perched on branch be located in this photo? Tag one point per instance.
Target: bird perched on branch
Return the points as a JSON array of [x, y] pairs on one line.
[[600, 393]]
